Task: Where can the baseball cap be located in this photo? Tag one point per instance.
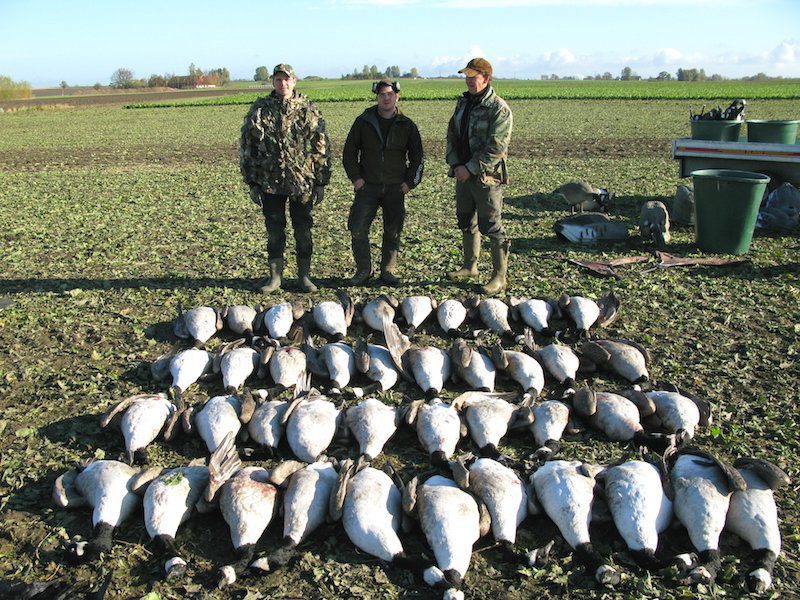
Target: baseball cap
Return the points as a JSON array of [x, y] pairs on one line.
[[477, 65], [285, 69]]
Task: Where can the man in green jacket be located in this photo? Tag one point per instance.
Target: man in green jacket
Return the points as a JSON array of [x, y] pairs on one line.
[[477, 145], [383, 158], [284, 154]]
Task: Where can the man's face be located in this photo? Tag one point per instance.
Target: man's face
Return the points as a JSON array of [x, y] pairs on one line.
[[283, 85], [477, 84], [387, 99]]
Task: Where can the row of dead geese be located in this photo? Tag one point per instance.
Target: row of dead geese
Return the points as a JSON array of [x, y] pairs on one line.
[[465, 497]]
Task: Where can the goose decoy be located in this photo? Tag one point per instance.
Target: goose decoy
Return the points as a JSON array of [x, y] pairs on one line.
[[505, 496], [494, 314], [415, 310], [623, 357], [564, 490], [550, 419], [144, 417], [489, 417], [438, 426], [372, 423], [582, 195], [107, 487], [247, 501], [474, 368], [753, 516], [639, 496], [521, 367], [452, 522], [242, 320], [171, 496], [654, 223], [535, 313], [305, 507], [374, 311], [236, 363], [376, 363], [703, 486], [370, 505], [333, 318], [279, 318], [199, 324], [311, 421]]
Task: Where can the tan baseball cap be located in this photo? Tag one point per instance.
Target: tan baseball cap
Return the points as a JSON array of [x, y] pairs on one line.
[[285, 69], [477, 65]]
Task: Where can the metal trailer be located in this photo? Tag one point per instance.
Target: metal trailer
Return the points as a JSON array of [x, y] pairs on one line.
[[779, 161]]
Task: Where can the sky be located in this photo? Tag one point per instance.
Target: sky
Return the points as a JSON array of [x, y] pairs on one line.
[[83, 42]]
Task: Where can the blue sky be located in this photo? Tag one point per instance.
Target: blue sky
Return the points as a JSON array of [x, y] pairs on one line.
[[85, 41]]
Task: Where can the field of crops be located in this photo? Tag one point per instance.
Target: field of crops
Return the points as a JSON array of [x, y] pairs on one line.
[[112, 217]]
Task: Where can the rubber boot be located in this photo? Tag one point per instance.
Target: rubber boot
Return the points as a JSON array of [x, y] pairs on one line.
[[499, 265], [303, 269], [363, 260], [275, 275], [388, 266], [472, 250]]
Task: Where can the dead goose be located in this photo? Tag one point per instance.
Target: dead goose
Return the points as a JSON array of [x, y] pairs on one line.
[[451, 314], [377, 309], [428, 367], [521, 367], [677, 411], [474, 368], [489, 417], [171, 497], [615, 415], [372, 423], [564, 490], [638, 494], [222, 415], [451, 521], [586, 313], [279, 318], [247, 502], [703, 487], [376, 363], [185, 367], [199, 324], [242, 320], [287, 364], [333, 318], [340, 363], [144, 417], [623, 357], [535, 313], [550, 419], [415, 310], [106, 486], [438, 427], [305, 506], [266, 425], [561, 363], [494, 314], [237, 363], [311, 422], [753, 516]]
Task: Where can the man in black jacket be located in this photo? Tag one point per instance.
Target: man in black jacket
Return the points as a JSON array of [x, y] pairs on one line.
[[383, 158]]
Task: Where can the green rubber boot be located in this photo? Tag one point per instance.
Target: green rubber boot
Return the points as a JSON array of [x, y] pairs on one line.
[[303, 281], [472, 250], [499, 265], [275, 276]]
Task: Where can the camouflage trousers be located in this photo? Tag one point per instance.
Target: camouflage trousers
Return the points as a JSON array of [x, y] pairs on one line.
[[479, 207], [274, 208], [391, 200]]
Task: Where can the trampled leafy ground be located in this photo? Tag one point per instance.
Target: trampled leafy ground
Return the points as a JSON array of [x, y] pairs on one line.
[[111, 217]]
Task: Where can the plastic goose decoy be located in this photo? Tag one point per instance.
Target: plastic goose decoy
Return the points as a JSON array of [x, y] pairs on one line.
[[415, 310], [199, 324], [107, 487], [143, 418], [753, 516]]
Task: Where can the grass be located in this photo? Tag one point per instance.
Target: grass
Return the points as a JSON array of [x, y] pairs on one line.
[[113, 217]]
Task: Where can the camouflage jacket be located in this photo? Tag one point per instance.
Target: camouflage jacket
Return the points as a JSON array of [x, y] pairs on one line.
[[284, 148], [489, 133]]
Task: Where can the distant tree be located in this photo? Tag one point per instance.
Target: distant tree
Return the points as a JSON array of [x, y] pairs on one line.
[[157, 81], [63, 85], [664, 76], [607, 76], [414, 73], [554, 77], [374, 73], [122, 78], [627, 74], [12, 90], [716, 77], [97, 86], [544, 77], [262, 74], [219, 76], [365, 72]]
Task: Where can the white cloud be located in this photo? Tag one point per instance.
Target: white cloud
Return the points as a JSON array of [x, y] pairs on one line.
[[785, 53], [445, 62]]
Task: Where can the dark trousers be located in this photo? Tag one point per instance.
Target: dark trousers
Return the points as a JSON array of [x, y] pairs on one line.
[[479, 207], [391, 200], [274, 208]]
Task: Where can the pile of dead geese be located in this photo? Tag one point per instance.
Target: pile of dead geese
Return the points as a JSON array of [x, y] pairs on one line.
[[325, 391]]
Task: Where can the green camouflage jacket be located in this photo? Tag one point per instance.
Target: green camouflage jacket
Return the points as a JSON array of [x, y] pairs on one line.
[[284, 148], [489, 132]]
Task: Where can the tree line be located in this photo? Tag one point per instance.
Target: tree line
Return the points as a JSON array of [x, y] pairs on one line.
[[124, 78], [628, 74]]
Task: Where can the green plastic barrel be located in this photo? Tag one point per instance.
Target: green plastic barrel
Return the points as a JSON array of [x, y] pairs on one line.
[[726, 204], [716, 131], [774, 132]]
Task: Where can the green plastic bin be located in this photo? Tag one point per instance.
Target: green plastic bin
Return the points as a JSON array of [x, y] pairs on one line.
[[716, 131], [726, 204], [773, 132]]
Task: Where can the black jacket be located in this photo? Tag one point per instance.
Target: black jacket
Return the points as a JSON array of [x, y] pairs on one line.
[[397, 159]]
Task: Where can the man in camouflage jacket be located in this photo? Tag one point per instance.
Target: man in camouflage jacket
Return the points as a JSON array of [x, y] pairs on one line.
[[284, 154], [383, 158], [477, 145]]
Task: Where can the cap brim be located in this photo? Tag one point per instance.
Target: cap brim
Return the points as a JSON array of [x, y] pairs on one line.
[[469, 72]]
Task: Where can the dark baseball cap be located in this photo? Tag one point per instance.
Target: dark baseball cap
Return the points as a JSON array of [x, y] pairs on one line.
[[285, 69], [477, 65]]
